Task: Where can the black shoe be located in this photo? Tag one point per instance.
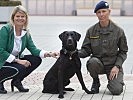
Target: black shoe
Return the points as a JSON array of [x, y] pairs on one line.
[[2, 89], [95, 86], [18, 85]]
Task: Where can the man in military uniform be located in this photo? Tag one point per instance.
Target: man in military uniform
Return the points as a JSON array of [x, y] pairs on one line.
[[106, 45]]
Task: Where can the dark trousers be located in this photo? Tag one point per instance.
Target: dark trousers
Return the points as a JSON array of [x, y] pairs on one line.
[[95, 67], [17, 71]]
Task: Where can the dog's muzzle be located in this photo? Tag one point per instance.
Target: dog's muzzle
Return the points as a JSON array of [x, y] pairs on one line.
[[70, 41]]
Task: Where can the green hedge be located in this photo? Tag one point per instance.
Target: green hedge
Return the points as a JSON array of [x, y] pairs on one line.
[[9, 3], [4, 0]]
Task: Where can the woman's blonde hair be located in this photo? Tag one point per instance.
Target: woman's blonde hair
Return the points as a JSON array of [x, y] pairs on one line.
[[19, 8]]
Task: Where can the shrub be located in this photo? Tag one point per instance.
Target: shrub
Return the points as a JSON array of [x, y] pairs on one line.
[[9, 3]]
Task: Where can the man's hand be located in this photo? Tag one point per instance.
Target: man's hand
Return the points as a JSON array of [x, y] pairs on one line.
[[114, 73]]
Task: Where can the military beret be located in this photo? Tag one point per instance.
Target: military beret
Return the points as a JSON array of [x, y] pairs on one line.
[[101, 5]]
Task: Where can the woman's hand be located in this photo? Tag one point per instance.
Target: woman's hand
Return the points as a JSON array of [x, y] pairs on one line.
[[52, 54], [26, 63], [55, 54], [114, 73]]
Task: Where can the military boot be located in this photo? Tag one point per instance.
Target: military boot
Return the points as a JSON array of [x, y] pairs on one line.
[[95, 85]]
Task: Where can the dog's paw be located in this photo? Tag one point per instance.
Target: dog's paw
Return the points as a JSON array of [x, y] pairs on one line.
[[64, 92], [68, 89], [60, 96], [43, 91], [52, 92]]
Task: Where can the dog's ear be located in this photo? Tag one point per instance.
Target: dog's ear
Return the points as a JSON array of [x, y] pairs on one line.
[[77, 35], [61, 35]]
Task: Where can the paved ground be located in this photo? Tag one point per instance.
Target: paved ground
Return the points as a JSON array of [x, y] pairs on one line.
[[34, 83], [45, 34]]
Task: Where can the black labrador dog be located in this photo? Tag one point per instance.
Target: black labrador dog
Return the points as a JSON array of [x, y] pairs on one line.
[[58, 77]]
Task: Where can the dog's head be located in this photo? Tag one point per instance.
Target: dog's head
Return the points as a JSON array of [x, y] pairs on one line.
[[69, 39]]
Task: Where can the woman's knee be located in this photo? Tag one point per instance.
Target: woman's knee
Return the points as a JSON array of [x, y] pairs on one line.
[[35, 60], [115, 88], [93, 63], [38, 59]]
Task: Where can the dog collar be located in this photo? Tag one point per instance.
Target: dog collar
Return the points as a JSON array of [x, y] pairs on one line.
[[65, 51]]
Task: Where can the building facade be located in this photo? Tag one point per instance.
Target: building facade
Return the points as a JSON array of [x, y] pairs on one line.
[[75, 7]]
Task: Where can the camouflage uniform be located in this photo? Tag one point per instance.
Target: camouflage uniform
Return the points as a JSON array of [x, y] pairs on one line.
[[107, 47]]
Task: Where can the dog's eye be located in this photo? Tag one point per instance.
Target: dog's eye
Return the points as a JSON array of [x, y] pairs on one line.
[[67, 34]]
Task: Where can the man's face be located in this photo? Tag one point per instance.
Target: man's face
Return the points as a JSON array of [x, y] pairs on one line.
[[103, 15]]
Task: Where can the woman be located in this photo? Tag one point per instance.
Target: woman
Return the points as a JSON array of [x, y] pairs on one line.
[[106, 45], [14, 38]]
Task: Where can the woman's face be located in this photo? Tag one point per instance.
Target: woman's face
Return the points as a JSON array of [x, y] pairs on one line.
[[103, 15], [20, 19]]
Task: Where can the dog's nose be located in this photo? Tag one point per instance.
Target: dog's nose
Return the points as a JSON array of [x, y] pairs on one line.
[[69, 41]]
